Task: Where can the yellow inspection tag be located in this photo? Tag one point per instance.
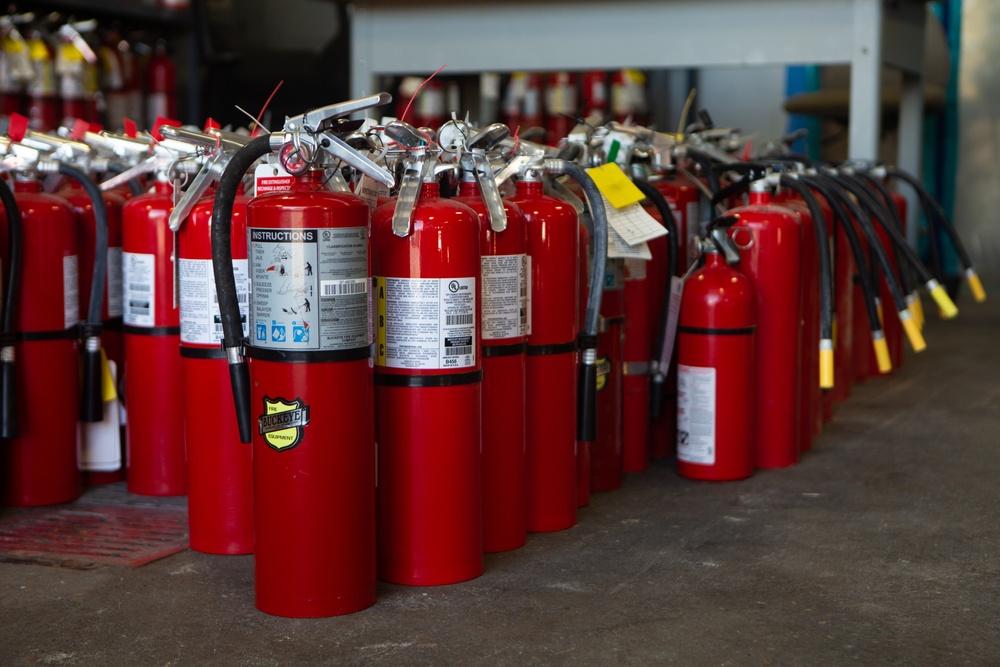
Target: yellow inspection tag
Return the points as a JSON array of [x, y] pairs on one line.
[[615, 185], [108, 391]]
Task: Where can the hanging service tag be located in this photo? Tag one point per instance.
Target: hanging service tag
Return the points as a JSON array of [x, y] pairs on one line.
[[615, 185], [370, 190], [271, 178]]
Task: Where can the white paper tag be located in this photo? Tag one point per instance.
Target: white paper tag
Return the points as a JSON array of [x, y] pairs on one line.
[[673, 317], [618, 247], [370, 190], [633, 223]]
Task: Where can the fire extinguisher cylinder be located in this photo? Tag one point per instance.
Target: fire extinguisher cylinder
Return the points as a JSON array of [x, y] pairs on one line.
[[9, 427], [225, 282], [91, 396]]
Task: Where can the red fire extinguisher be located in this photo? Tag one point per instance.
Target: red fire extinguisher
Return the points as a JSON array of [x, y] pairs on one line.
[[606, 454], [595, 94], [426, 272], [522, 103], [309, 384], [220, 493], [15, 66], [560, 105], [155, 452], [715, 361], [504, 251], [161, 98], [769, 238], [40, 91], [76, 74], [554, 248], [40, 462], [645, 322]]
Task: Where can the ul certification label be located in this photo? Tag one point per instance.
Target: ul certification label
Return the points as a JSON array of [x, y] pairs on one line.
[[310, 288], [696, 414], [139, 293], [200, 319], [114, 282], [426, 323], [505, 302], [71, 291]]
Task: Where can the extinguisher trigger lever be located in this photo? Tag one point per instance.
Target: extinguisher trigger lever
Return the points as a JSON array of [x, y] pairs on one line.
[[316, 119], [341, 150]]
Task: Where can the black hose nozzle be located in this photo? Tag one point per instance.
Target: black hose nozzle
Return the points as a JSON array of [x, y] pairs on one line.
[[91, 394], [9, 424], [586, 398], [657, 394], [239, 378]]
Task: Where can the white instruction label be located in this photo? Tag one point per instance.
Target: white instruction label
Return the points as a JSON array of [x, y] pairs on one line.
[[71, 291], [201, 323], [114, 282], [139, 289], [505, 296], [310, 288], [696, 414], [426, 323]]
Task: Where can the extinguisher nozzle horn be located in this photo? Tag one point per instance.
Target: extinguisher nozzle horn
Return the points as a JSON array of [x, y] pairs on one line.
[[975, 285], [881, 348], [9, 425], [912, 329], [586, 408], [91, 395], [946, 306], [239, 378], [826, 365]]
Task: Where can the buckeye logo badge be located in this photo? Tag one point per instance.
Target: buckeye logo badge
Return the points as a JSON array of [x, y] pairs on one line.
[[282, 424]]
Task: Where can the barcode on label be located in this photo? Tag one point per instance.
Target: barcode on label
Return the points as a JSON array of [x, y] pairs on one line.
[[451, 320], [241, 297], [138, 287], [340, 288], [456, 351]]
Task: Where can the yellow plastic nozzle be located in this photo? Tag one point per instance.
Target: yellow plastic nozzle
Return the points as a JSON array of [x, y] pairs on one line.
[[881, 352], [946, 306], [976, 285], [912, 331], [917, 309], [826, 364]]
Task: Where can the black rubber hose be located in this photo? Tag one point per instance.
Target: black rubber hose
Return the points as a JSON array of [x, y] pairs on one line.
[[91, 396], [225, 282], [851, 233], [570, 151], [656, 386], [707, 165], [133, 184], [9, 424], [932, 207], [906, 268], [874, 244], [587, 387], [823, 247]]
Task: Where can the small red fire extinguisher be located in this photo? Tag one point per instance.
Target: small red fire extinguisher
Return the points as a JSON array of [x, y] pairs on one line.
[[161, 98], [40, 91], [715, 364], [309, 384]]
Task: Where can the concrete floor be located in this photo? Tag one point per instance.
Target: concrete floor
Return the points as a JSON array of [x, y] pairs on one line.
[[880, 548]]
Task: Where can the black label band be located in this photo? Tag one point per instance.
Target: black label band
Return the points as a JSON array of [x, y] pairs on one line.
[[311, 356], [112, 324], [202, 352], [151, 331], [739, 331], [554, 348], [414, 381], [504, 350], [58, 334]]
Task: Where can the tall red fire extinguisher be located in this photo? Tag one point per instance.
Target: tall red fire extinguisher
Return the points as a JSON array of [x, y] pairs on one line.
[[155, 452], [560, 105], [40, 462], [770, 247], [426, 272], [715, 364], [504, 251], [309, 385], [220, 492], [555, 424], [161, 98]]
